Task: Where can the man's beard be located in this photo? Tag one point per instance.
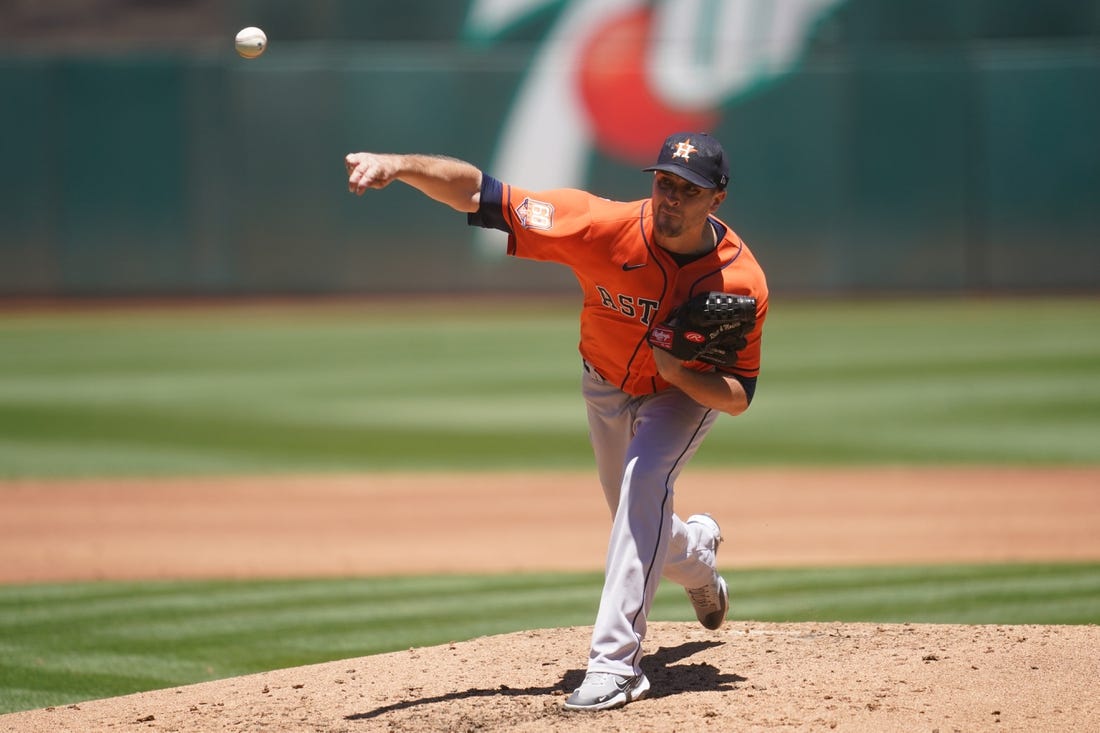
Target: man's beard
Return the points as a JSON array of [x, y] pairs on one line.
[[668, 226]]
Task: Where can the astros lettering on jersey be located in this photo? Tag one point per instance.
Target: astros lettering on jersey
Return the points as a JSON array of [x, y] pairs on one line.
[[629, 283]]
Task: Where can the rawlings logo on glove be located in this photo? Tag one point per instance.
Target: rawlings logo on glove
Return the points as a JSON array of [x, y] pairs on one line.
[[710, 327]]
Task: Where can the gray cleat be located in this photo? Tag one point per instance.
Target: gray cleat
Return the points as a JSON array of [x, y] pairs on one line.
[[603, 691], [711, 601]]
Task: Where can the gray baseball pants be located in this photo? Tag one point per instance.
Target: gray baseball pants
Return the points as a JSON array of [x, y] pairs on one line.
[[641, 444]]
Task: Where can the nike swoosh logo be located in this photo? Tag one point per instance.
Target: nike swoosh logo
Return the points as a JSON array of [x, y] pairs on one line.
[[628, 268]]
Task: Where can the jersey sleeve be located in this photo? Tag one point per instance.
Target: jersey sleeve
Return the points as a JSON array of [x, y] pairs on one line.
[[552, 225]]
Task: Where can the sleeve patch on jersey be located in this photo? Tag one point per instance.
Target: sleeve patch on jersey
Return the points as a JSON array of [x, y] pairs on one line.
[[535, 214]]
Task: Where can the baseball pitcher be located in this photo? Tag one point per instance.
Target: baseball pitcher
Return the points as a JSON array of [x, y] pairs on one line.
[[673, 309]]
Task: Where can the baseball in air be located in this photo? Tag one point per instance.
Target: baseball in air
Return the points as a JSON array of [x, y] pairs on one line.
[[251, 42]]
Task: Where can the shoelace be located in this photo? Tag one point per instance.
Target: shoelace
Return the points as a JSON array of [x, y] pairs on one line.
[[705, 596]]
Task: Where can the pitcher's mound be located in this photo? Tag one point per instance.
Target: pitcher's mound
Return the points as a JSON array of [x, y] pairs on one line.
[[746, 676]]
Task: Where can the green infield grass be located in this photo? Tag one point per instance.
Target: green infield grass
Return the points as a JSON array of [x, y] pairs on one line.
[[495, 385], [60, 644]]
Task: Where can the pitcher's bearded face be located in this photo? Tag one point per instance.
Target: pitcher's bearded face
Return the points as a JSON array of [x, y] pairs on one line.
[[679, 206]]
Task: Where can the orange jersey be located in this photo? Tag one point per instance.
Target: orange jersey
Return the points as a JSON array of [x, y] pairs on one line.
[[629, 283]]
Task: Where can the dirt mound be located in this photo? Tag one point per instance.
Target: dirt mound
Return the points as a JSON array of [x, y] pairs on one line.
[[746, 676]]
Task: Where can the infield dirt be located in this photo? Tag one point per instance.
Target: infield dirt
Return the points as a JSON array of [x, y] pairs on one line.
[[746, 676]]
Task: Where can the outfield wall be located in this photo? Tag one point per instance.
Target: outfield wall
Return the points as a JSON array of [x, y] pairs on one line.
[[912, 145]]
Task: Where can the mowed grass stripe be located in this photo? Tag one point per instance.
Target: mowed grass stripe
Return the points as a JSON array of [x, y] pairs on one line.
[[1016, 594], [474, 387], [369, 600], [160, 441], [64, 643]]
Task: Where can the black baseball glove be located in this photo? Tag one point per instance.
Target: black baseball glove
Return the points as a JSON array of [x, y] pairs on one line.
[[711, 327]]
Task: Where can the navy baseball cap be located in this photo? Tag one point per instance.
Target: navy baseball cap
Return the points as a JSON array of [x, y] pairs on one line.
[[696, 157]]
